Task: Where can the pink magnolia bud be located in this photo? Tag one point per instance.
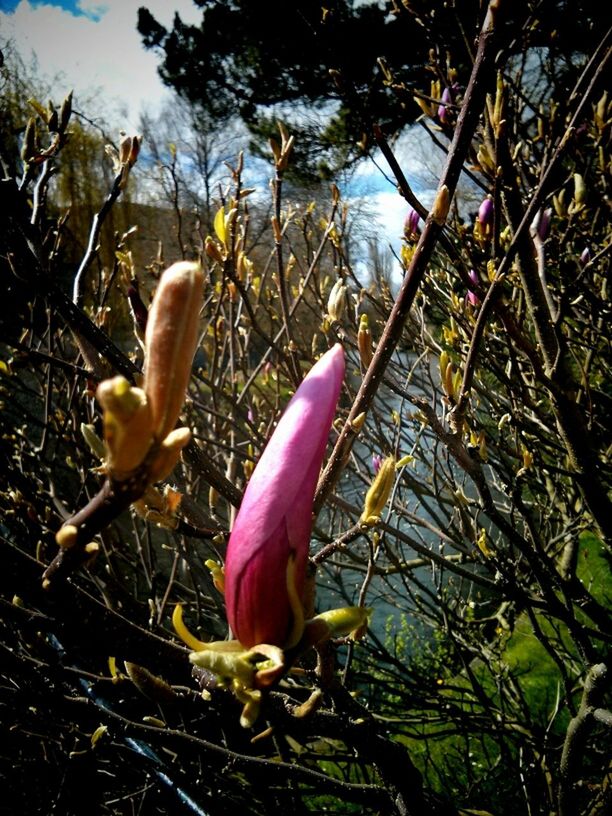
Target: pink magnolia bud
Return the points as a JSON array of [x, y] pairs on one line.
[[471, 295], [411, 224], [486, 211], [376, 462], [447, 98], [271, 534], [585, 256], [541, 223]]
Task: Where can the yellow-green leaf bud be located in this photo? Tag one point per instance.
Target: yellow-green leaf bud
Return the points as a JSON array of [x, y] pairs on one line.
[[168, 454], [349, 621], [377, 495], [127, 425], [336, 300]]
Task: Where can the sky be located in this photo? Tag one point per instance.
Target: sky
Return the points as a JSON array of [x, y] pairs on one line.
[[94, 49]]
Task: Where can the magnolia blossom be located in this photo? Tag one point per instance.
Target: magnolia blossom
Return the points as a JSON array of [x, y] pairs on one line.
[[265, 565]]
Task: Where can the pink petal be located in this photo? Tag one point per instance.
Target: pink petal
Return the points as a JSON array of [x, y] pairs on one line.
[[275, 516]]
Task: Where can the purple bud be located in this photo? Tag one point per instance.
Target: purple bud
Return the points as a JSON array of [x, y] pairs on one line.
[[377, 461], [585, 256], [544, 225], [486, 211], [250, 415], [471, 295], [540, 225], [411, 224], [447, 98]]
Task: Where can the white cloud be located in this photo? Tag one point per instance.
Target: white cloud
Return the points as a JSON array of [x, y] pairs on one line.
[[99, 54]]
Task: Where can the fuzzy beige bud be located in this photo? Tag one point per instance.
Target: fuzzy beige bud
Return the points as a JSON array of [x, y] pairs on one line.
[[170, 343], [364, 341], [441, 205]]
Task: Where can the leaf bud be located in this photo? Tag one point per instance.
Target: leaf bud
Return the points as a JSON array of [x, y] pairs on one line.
[[336, 300], [580, 191], [127, 425], [358, 422], [30, 139], [66, 536], [168, 455], [348, 621], [378, 493], [53, 120], [65, 113], [364, 342]]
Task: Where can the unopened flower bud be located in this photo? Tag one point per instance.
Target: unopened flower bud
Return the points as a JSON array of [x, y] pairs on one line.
[[441, 205], [473, 298], [170, 343], [129, 147], [540, 225], [486, 212], [411, 225], [447, 99]]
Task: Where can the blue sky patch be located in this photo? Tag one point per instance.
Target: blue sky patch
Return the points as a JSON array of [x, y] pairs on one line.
[[71, 6]]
